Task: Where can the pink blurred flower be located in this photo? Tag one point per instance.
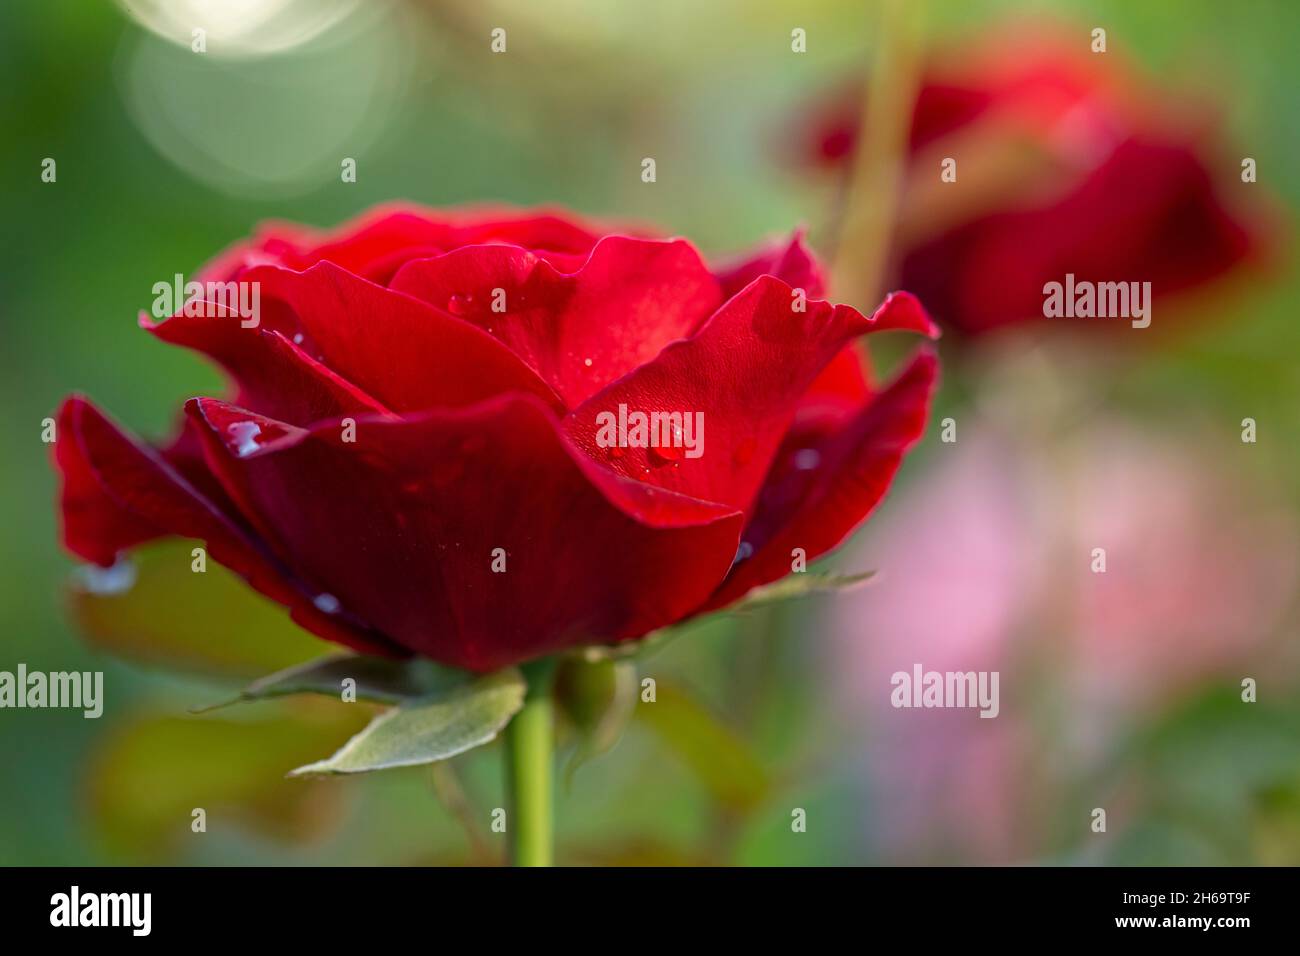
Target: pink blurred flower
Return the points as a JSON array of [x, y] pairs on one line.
[[985, 565]]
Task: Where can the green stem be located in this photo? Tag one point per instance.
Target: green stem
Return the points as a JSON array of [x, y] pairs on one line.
[[876, 178], [530, 745]]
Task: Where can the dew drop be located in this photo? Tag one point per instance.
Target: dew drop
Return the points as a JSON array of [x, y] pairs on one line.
[[297, 338], [806, 459], [664, 454], [115, 579], [327, 603], [460, 304], [744, 551], [245, 437], [587, 362]]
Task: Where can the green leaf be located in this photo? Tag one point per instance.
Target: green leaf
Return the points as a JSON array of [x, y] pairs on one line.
[[154, 610], [377, 679], [433, 728], [800, 585]]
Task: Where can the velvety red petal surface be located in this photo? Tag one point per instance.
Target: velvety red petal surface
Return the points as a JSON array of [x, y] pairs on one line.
[[274, 375], [94, 525], [578, 330], [401, 526], [376, 250], [404, 352], [827, 478], [744, 370], [843, 384], [789, 260], [377, 243], [118, 492]]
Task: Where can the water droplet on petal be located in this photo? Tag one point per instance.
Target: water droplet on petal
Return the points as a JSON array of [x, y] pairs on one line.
[[664, 454], [245, 437], [587, 362], [116, 579], [744, 551], [297, 338], [616, 452], [327, 603], [806, 459], [460, 304]]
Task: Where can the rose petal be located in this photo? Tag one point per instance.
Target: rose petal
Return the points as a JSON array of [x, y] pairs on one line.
[[406, 353], [744, 371], [844, 384], [94, 526], [580, 330], [401, 526], [118, 492], [789, 260], [825, 481], [375, 244], [274, 375]]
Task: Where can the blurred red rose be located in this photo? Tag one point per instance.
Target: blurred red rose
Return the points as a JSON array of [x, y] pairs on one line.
[[473, 515], [1066, 162]]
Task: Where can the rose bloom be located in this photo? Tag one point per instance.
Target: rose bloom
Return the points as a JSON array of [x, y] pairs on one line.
[[412, 461], [1066, 162]]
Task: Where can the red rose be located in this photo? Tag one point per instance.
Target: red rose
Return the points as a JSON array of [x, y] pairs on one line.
[[413, 461], [1066, 163]]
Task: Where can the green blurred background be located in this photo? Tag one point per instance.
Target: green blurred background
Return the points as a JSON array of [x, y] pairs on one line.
[[164, 157]]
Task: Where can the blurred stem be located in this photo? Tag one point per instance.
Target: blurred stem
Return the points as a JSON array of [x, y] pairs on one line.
[[758, 669], [530, 760], [877, 173], [450, 792]]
